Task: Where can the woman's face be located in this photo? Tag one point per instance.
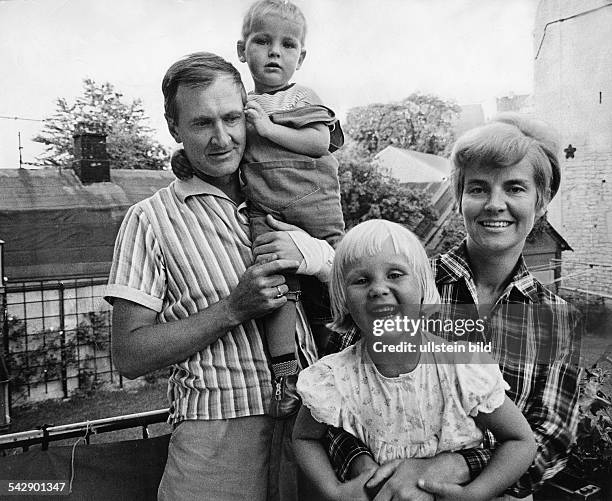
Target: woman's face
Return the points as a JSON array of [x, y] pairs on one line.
[[499, 207]]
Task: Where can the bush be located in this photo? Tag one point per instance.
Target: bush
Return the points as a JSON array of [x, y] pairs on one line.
[[593, 308]]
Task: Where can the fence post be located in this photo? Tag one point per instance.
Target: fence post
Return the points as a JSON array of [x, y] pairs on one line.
[[64, 371], [5, 380]]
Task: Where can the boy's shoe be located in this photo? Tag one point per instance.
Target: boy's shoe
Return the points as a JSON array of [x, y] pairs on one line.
[[285, 400]]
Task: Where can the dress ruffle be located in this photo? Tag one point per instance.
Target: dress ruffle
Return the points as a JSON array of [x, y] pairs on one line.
[[418, 415]]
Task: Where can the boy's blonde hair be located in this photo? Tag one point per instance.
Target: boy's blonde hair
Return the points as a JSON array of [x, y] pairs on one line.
[[504, 142], [264, 8], [368, 239]]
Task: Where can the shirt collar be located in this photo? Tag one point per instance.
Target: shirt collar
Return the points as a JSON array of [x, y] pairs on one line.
[[454, 265], [196, 186]]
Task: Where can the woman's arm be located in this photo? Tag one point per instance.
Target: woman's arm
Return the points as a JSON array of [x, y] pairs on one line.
[[314, 462], [509, 461]]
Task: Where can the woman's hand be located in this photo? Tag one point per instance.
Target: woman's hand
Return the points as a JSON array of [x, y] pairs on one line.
[[449, 492], [354, 489], [398, 479]]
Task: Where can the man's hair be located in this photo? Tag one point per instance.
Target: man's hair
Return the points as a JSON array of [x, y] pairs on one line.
[[264, 8], [369, 239], [503, 142], [199, 69]]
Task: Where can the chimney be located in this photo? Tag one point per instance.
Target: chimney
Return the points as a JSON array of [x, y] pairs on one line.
[[90, 162]]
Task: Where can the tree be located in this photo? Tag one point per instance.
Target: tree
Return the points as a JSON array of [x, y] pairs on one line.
[[420, 122], [367, 192], [129, 141], [453, 232]]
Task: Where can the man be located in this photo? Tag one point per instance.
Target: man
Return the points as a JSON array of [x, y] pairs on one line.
[[186, 292]]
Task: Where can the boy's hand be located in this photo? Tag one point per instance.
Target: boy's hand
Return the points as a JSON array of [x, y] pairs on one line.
[[257, 117], [180, 165]]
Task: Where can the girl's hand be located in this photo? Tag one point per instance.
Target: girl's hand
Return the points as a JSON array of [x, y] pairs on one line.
[[180, 165], [257, 117]]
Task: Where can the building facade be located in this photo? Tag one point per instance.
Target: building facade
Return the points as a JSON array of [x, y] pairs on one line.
[[573, 92]]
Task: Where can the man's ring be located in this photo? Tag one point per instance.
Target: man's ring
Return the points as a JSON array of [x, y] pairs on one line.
[[280, 294]]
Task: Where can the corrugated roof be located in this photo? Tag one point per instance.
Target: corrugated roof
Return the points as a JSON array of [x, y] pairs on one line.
[[408, 166], [44, 189], [55, 227]]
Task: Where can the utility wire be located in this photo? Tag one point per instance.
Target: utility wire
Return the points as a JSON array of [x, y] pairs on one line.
[[560, 20], [21, 118]]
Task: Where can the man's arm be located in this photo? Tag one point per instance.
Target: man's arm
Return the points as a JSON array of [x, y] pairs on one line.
[[140, 345]]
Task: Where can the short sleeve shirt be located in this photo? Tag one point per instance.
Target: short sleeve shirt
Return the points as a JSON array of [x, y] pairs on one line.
[[178, 252]]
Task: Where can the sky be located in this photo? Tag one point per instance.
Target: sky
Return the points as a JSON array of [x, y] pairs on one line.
[[358, 52]]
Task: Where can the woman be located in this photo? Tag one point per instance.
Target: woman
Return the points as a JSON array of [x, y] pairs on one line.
[[504, 174]]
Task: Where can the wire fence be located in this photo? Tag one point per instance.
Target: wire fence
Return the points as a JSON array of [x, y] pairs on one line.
[[56, 338]]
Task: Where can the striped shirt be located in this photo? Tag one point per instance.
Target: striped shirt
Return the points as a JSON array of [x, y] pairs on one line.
[[178, 252], [292, 96], [544, 388]]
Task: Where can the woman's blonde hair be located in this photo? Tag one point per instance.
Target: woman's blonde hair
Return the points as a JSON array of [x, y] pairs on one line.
[[503, 142], [368, 239]]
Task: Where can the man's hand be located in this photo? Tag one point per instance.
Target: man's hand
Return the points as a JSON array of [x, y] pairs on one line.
[[276, 244], [257, 117], [259, 290]]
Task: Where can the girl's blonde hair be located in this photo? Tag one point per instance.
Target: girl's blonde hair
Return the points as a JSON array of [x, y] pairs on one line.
[[368, 239]]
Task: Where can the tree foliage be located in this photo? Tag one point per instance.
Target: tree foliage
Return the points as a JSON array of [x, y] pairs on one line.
[[368, 193], [130, 144], [420, 122], [453, 232]]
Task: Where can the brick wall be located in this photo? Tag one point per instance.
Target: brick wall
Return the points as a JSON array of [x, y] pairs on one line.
[[573, 92]]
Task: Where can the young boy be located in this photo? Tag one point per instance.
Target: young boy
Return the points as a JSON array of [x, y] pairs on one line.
[[287, 169]]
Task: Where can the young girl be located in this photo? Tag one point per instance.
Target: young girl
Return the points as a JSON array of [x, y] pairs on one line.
[[408, 404], [287, 169]]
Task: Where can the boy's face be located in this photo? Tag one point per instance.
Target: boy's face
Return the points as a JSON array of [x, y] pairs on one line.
[[273, 51]]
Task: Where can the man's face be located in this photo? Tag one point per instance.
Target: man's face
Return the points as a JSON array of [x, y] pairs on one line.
[[210, 123]]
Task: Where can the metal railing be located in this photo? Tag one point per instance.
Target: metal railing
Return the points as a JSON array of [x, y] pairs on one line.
[[47, 434]]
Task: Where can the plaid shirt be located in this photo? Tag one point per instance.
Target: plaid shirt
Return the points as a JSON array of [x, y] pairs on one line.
[[544, 388]]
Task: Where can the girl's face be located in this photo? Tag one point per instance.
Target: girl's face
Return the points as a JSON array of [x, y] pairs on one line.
[[381, 287]]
